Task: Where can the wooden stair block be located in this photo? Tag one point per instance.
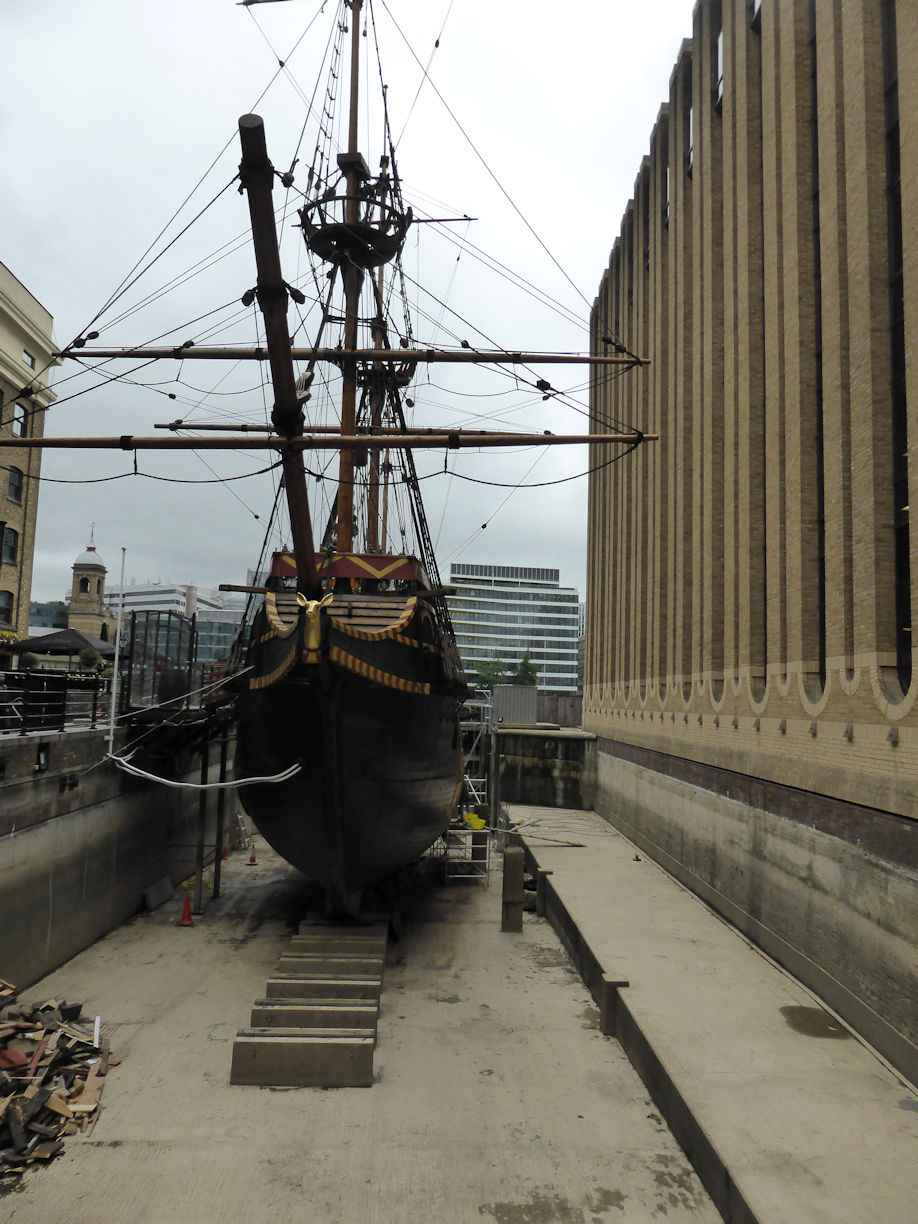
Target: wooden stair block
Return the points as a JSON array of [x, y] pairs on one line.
[[319, 986], [319, 930], [314, 1013], [303, 1057], [330, 966], [336, 946]]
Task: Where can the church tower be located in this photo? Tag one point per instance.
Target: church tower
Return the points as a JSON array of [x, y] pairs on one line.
[[87, 611]]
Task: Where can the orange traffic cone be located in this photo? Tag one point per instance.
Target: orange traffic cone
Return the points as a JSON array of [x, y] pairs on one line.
[[252, 859], [186, 918]]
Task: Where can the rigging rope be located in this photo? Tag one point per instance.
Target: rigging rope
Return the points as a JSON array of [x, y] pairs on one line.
[[487, 168]]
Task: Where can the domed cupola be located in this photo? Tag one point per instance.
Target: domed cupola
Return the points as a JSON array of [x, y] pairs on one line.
[[87, 609]]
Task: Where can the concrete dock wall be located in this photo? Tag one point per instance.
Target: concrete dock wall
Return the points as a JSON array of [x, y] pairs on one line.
[[547, 767], [838, 909], [79, 845]]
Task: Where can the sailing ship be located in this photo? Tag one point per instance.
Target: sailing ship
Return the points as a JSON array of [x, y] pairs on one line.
[[349, 683]]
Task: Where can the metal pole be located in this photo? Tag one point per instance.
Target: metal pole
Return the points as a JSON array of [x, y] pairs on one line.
[[494, 773], [116, 673], [221, 813], [202, 824], [130, 670]]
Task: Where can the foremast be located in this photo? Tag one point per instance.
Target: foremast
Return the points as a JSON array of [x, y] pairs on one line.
[[257, 177]]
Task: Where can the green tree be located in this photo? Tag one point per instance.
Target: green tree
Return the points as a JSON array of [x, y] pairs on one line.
[[526, 674], [492, 672], [89, 657]]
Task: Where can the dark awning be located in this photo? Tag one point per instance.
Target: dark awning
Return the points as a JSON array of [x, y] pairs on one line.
[[62, 642]]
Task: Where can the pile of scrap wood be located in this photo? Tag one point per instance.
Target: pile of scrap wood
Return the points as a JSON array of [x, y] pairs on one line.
[[52, 1068]]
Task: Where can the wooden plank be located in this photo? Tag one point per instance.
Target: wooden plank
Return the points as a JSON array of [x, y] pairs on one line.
[[58, 1105], [17, 1130]]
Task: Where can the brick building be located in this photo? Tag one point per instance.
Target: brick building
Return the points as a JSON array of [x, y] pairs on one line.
[[752, 576], [25, 358]]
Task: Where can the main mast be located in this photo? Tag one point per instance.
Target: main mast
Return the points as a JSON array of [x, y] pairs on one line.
[[355, 171], [357, 232]]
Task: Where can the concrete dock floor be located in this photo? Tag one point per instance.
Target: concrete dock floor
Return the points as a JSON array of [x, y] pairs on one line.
[[788, 1116], [496, 1097]]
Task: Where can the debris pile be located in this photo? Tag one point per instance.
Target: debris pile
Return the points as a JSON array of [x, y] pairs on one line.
[[52, 1070]]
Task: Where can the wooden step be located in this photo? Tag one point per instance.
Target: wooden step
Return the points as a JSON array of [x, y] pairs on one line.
[[303, 1057], [329, 966], [314, 1013], [320, 930], [336, 946], [322, 986]]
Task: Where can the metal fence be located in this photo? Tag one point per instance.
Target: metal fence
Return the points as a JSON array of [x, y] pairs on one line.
[[51, 701], [159, 668]]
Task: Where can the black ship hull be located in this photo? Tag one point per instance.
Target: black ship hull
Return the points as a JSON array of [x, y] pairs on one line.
[[380, 775]]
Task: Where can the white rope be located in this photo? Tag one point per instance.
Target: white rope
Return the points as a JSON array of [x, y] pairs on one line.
[[123, 763]]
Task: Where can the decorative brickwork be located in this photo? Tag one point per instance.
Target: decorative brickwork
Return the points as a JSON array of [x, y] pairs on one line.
[[751, 574], [26, 348]]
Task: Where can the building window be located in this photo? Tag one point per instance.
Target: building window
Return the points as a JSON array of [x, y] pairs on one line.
[[900, 440], [10, 546], [28, 359], [20, 421], [755, 14], [688, 119], [818, 459], [719, 70], [14, 488], [6, 607]]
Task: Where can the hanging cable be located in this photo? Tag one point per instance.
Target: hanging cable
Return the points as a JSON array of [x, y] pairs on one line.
[[124, 764]]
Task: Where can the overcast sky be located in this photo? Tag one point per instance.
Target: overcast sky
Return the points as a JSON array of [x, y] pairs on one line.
[[112, 114]]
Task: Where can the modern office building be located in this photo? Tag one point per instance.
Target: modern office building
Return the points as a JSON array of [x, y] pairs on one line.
[[26, 348], [182, 598], [750, 672], [218, 614], [501, 612], [217, 631]]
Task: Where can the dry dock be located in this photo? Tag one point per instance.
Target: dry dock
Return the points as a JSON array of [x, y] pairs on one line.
[[496, 1096]]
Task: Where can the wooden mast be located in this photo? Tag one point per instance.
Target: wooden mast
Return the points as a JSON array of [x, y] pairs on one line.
[[257, 176], [428, 356], [352, 276], [433, 439], [377, 392]]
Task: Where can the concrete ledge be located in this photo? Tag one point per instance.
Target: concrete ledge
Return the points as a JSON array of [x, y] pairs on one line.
[[317, 986], [318, 962], [827, 888], [892, 1044], [617, 1021], [314, 1013], [762, 1088], [602, 986], [307, 1058]]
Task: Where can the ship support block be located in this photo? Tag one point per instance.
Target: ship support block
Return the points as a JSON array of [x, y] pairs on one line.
[[316, 1027]]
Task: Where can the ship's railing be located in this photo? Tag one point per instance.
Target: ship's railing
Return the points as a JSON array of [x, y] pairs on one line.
[[47, 700]]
